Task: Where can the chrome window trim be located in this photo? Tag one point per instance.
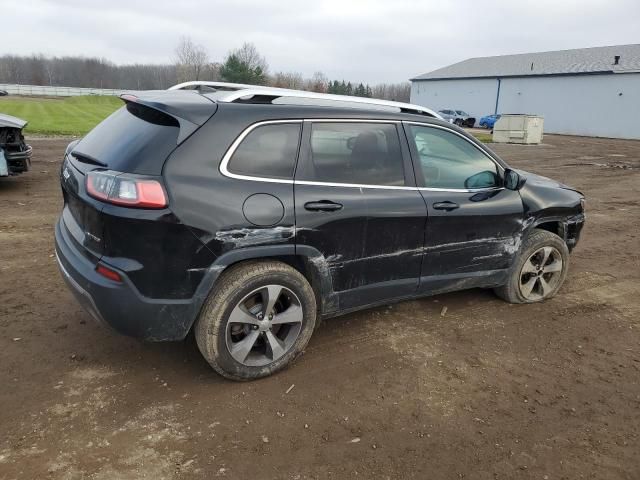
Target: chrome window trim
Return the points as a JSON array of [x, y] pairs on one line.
[[459, 190], [224, 165], [350, 120], [224, 170]]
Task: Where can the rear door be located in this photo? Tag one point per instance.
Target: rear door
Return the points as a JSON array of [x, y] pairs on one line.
[[356, 204], [474, 223]]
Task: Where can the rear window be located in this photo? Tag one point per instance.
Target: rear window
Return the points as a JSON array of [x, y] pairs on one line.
[[267, 151], [135, 139]]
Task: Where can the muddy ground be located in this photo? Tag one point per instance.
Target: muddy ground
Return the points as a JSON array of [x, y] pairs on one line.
[[488, 390]]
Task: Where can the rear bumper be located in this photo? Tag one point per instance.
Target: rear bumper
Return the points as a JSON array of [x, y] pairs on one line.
[[119, 304]]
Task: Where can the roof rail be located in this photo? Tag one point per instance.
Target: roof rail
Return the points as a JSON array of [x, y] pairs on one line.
[[241, 93]]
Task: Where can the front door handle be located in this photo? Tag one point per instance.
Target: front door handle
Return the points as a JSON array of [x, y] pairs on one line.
[[448, 206], [323, 206]]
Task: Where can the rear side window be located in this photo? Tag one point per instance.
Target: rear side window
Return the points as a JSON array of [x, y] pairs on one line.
[[360, 153], [267, 151]]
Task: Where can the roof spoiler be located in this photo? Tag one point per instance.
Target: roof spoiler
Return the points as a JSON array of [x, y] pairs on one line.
[[189, 109]]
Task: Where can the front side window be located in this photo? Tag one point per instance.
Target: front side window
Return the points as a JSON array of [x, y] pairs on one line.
[[267, 151], [449, 161], [360, 153]]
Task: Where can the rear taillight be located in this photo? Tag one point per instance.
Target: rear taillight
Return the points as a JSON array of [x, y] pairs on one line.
[[122, 189]]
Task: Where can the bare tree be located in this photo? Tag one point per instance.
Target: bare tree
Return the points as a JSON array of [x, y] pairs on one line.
[[318, 83], [291, 80], [400, 92], [191, 60], [248, 54]]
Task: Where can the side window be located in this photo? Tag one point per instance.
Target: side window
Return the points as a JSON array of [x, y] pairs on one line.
[[449, 161], [267, 151], [362, 153]]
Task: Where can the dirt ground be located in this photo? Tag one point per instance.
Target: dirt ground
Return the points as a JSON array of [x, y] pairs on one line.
[[488, 390]]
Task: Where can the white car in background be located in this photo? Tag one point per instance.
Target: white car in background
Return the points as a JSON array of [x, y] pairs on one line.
[[459, 117], [15, 154]]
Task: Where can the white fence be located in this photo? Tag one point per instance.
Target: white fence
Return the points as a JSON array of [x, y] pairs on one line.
[[41, 90]]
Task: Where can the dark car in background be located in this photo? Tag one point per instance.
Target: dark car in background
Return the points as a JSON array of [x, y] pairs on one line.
[[249, 214]]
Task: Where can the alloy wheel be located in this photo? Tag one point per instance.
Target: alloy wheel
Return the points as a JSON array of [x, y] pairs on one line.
[[541, 273], [264, 325]]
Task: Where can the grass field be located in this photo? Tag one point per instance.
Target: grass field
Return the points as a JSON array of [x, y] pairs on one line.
[[60, 116], [483, 137]]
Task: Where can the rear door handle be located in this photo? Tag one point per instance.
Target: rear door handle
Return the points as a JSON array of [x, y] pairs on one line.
[[448, 206], [323, 206]]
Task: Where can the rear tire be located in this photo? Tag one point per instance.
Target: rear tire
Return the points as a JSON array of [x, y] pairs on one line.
[[538, 271], [234, 331]]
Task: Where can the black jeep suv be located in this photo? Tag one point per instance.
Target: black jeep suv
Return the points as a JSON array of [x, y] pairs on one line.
[[249, 214]]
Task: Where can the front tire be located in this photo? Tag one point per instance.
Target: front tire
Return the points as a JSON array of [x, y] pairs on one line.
[[539, 270], [257, 320]]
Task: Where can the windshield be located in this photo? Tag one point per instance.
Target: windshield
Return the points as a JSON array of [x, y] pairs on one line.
[[461, 112]]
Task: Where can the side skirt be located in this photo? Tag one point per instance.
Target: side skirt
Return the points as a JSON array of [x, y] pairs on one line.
[[436, 285]]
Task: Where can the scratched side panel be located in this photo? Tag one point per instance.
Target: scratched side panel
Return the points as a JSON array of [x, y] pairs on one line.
[[210, 204], [483, 234]]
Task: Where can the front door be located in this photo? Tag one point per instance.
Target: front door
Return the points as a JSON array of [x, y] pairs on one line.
[[474, 226], [357, 205]]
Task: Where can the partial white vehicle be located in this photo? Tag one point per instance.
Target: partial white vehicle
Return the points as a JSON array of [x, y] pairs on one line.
[[459, 117], [15, 154]]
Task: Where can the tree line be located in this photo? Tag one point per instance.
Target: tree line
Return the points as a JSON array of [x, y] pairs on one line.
[[191, 62]]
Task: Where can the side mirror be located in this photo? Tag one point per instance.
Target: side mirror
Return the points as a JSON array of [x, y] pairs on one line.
[[513, 180]]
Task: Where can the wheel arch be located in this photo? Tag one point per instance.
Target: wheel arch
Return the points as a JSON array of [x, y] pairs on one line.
[[306, 260], [554, 226]]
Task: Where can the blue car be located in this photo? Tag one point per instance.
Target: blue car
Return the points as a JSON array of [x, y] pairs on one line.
[[488, 121]]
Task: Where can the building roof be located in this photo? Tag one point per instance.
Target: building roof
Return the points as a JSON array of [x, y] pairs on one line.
[[561, 62]]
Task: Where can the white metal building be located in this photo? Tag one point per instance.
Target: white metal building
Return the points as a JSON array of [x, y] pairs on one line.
[[587, 91]]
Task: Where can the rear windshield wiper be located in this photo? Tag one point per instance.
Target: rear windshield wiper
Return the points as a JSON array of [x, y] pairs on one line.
[[81, 157]]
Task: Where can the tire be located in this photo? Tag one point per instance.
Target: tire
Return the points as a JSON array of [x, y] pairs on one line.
[[528, 270], [236, 289], [458, 122], [483, 125]]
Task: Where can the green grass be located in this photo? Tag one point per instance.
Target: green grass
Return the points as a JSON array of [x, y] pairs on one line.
[[484, 137], [60, 116]]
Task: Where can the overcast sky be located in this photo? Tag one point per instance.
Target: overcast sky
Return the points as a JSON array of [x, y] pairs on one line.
[[372, 41]]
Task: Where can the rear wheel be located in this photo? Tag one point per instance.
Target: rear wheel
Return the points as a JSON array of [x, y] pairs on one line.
[[539, 270], [257, 320], [458, 122]]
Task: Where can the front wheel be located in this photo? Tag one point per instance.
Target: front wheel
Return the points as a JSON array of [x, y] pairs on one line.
[[539, 270], [257, 320]]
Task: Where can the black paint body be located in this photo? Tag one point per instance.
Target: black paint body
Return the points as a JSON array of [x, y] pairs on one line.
[[381, 246]]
